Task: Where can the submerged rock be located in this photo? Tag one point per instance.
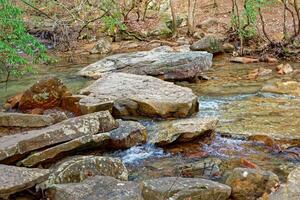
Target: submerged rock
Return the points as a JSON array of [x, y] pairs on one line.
[[250, 184], [25, 120], [45, 94], [77, 169], [128, 134], [182, 130], [96, 188], [290, 190], [23, 143], [160, 62], [288, 87], [136, 95], [244, 60], [259, 72], [207, 167], [15, 179], [177, 188]]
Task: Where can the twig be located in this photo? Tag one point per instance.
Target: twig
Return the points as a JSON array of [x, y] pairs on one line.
[[35, 8]]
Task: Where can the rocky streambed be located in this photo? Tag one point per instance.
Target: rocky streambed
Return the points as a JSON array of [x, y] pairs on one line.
[[131, 135]]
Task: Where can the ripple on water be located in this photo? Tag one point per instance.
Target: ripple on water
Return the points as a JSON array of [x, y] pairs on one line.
[[210, 106], [224, 147], [136, 154]]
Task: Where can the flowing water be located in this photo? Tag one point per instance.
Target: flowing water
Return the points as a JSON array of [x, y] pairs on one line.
[[231, 97]]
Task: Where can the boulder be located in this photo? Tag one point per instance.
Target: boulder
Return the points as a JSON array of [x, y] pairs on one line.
[[20, 144], [209, 43], [177, 188], [77, 169], [228, 48], [290, 190], [182, 130], [90, 105], [103, 46], [25, 120], [160, 62], [128, 134], [15, 179], [244, 60], [251, 184], [45, 94], [136, 95], [96, 188], [288, 87]]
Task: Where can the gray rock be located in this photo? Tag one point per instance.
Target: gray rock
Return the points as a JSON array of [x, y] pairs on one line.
[[23, 143], [103, 46], [25, 120], [128, 134], [136, 95], [165, 64], [208, 43], [177, 188], [182, 130], [15, 179], [77, 169], [251, 184], [96, 188], [290, 190]]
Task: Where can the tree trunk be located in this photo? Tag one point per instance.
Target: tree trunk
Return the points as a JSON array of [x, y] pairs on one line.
[[174, 23], [191, 16]]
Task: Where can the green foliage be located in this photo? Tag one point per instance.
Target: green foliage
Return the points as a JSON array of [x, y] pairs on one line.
[[18, 49], [112, 21], [245, 22]]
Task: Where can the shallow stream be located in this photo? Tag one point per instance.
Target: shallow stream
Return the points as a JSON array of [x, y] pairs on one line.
[[231, 97]]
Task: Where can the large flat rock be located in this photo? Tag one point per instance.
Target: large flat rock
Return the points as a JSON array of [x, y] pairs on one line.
[[96, 188], [23, 143], [128, 134], [137, 95], [25, 120], [177, 188], [160, 62], [15, 179]]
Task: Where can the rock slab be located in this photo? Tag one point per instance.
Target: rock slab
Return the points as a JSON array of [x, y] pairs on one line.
[[182, 130], [25, 120], [67, 130], [177, 188], [137, 95], [15, 179], [77, 169], [96, 188], [128, 134], [159, 62]]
